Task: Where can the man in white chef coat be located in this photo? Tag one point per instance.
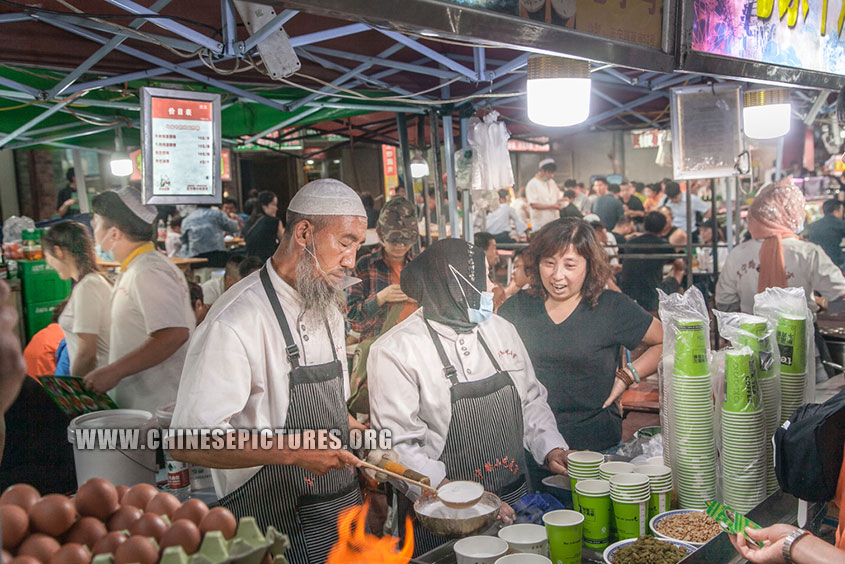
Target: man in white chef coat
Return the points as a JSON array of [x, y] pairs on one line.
[[270, 355], [151, 313], [543, 195]]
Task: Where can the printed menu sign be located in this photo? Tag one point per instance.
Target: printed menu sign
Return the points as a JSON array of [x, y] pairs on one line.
[[182, 143]]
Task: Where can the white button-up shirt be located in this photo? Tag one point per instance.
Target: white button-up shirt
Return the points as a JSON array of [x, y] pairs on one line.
[[237, 374], [538, 191], [409, 394]]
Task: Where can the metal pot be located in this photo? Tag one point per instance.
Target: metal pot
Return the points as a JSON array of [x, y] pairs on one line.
[[457, 527], [836, 347]]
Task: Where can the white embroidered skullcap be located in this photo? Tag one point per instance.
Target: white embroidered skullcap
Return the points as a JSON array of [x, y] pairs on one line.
[[591, 217], [133, 200], [545, 162], [327, 196]]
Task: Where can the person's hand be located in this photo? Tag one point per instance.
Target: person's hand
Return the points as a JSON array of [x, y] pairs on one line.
[[374, 457], [391, 294], [557, 460], [101, 380], [319, 461], [772, 537], [619, 387], [499, 296], [11, 358], [506, 514]]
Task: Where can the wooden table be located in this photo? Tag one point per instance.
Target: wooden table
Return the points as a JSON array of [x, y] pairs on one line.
[[183, 263]]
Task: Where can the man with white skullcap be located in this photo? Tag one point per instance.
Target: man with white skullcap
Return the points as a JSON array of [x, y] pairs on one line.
[[151, 316], [271, 354], [543, 195]]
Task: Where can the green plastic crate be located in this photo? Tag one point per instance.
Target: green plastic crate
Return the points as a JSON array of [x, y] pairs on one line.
[[38, 316], [41, 283]]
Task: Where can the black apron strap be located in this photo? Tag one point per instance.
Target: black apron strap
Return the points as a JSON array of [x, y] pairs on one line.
[[331, 339], [448, 370], [290, 344], [489, 354]]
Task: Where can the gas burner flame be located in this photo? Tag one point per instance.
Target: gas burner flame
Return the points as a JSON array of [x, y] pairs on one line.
[[356, 546]]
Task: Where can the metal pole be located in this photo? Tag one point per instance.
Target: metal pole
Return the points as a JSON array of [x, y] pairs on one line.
[[449, 148], [464, 128], [715, 221], [779, 161], [426, 213], [438, 174], [738, 210], [405, 154], [466, 199], [729, 220], [688, 198]]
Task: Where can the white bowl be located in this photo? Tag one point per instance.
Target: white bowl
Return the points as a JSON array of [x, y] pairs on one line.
[[652, 525], [527, 538], [482, 549]]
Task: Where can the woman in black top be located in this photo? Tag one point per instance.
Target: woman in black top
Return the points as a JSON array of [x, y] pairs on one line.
[[263, 230], [574, 329]]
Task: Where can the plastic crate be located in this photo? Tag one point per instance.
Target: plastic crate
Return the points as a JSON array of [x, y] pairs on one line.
[[41, 283], [38, 316]]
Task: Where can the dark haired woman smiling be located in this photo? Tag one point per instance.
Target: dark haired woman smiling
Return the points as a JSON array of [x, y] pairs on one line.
[[574, 329]]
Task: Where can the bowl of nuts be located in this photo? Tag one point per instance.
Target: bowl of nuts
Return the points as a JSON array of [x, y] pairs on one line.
[[686, 525]]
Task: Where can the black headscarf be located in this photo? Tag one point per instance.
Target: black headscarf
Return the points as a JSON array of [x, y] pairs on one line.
[[429, 280]]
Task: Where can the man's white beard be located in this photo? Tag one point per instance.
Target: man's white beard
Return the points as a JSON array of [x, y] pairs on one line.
[[319, 295]]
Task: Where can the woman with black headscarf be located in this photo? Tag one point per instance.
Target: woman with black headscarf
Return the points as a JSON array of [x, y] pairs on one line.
[[455, 386]]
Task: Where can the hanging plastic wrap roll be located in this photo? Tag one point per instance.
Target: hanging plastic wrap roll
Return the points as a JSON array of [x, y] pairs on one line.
[[491, 162], [758, 333], [787, 310], [686, 397]]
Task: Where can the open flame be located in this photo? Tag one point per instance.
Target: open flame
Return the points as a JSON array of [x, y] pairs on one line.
[[356, 546]]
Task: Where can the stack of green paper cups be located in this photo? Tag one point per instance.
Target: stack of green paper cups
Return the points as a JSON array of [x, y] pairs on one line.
[[583, 465], [792, 344], [595, 505], [607, 470], [660, 483], [692, 418], [755, 330], [630, 494], [743, 458]]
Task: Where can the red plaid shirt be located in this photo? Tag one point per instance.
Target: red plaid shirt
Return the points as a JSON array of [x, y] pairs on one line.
[[363, 312]]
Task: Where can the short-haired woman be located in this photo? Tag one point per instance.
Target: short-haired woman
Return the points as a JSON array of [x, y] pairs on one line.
[[574, 329], [263, 230], [86, 319]]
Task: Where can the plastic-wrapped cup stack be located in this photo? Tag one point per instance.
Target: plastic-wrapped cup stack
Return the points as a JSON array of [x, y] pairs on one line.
[[769, 389], [660, 483], [583, 465], [630, 494], [743, 452], [792, 344], [692, 426]]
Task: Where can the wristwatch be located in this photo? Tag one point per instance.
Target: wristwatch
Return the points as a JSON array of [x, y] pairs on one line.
[[789, 541]]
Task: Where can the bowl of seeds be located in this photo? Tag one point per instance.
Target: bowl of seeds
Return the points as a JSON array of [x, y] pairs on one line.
[[686, 525], [647, 549]]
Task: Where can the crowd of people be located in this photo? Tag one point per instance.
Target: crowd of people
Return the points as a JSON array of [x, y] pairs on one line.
[[265, 345]]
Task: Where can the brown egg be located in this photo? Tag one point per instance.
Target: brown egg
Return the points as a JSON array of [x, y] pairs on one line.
[[71, 553], [184, 533], [19, 559], [97, 498], [39, 546], [219, 519], [109, 543], [121, 491], [139, 495], [13, 522], [193, 509], [149, 525], [87, 531], [22, 495], [136, 549], [124, 517], [53, 514], [163, 504]]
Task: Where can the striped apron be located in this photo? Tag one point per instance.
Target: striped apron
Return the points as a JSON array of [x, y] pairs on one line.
[[484, 442], [294, 501]]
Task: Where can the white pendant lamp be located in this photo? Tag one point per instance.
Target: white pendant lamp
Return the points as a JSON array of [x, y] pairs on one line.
[[120, 163], [419, 167], [766, 113], [558, 90]]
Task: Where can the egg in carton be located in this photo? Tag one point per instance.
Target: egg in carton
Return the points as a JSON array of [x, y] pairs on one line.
[[247, 546]]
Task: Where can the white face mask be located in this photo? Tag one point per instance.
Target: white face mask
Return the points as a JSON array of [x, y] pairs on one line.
[[485, 308]]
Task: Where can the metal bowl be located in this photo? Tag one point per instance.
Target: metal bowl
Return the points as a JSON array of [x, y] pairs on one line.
[[457, 527]]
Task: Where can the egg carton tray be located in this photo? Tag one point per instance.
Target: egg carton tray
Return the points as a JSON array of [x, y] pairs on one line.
[[248, 546]]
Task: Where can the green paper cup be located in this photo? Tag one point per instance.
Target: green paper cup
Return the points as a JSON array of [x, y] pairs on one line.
[[741, 393], [565, 530], [659, 503], [586, 458], [792, 344], [573, 482], [595, 506], [691, 349], [631, 518]]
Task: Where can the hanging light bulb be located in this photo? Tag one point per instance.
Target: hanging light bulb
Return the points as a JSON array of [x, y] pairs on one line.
[[419, 166], [558, 90], [766, 113], [120, 163]]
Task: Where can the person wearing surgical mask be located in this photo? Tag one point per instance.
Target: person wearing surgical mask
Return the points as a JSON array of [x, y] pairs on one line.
[[456, 387], [574, 329]]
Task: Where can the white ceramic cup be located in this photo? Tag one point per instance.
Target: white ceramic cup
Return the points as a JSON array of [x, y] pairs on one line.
[[523, 559], [526, 538], [480, 549]]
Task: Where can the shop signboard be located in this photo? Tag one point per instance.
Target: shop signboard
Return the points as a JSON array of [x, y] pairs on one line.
[[532, 146], [390, 168], [634, 21], [791, 33], [647, 138], [180, 138]]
